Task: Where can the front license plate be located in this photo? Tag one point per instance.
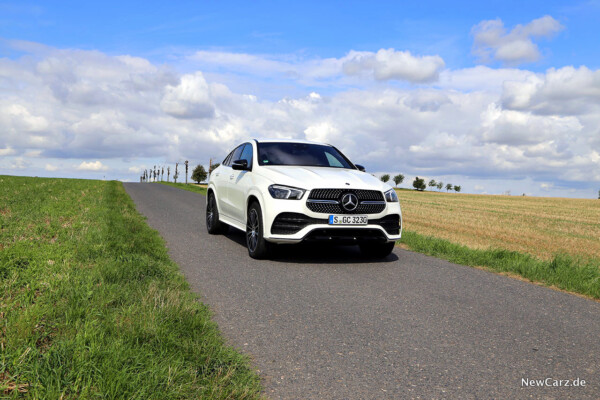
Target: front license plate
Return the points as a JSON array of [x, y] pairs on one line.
[[348, 220]]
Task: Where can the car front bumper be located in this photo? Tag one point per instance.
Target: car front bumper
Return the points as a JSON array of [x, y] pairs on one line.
[[290, 221]]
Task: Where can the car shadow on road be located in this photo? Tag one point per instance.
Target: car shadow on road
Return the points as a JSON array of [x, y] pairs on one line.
[[315, 253]]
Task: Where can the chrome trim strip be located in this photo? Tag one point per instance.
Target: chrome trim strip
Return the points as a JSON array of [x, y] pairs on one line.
[[372, 202], [323, 201]]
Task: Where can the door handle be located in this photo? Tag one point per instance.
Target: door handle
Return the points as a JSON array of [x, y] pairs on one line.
[[217, 174]]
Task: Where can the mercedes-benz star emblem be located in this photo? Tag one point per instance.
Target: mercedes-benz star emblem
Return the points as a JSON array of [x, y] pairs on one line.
[[349, 202]]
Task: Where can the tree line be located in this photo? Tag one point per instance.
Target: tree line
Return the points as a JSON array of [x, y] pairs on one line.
[[157, 173], [419, 183]]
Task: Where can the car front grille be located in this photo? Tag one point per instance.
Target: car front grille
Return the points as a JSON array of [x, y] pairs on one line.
[[328, 201]]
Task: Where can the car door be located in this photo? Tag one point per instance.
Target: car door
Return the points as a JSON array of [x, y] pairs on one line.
[[220, 178], [227, 176], [240, 183]]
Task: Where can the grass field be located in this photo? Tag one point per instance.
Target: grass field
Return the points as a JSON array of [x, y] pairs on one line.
[[542, 227], [92, 307], [192, 187]]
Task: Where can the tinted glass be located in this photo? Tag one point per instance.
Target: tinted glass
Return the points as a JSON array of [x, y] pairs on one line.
[[247, 154], [227, 159], [235, 154], [305, 154]]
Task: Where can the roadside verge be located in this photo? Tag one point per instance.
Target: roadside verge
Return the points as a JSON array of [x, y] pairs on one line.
[[92, 306]]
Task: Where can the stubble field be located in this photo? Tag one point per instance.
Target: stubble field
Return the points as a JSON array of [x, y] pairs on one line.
[[542, 227]]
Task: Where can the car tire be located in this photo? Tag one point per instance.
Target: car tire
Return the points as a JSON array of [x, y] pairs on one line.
[[213, 225], [258, 247], [377, 250]]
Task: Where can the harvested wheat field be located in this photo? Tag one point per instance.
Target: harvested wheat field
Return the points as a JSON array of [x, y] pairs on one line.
[[541, 226]]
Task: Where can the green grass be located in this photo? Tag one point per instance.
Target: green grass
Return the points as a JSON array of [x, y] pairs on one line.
[[92, 307], [190, 187], [564, 271]]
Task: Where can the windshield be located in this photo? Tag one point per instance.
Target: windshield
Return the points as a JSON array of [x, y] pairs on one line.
[[304, 154]]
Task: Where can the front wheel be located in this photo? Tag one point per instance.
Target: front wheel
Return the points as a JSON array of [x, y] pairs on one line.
[[258, 247], [213, 225], [377, 250]]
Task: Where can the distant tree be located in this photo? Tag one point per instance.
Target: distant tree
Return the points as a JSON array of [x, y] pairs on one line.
[[162, 173], [176, 174], [186, 170], [419, 183], [213, 167], [385, 178], [440, 185], [456, 188], [432, 183], [449, 187], [168, 173], [199, 174], [399, 178]]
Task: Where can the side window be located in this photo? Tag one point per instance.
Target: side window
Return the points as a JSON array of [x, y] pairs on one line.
[[227, 160], [236, 154], [247, 154]]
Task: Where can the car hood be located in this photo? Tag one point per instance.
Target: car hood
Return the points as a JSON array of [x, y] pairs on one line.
[[322, 177]]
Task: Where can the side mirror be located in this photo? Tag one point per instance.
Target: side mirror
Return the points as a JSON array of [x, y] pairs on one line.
[[360, 167], [240, 165]]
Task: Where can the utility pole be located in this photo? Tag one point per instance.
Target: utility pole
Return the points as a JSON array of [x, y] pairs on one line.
[[186, 171]]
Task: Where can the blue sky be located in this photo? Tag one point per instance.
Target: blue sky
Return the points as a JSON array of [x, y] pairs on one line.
[[317, 28], [495, 95]]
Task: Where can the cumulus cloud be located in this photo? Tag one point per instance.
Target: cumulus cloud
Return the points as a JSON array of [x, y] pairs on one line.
[[517, 127], [119, 113], [388, 64], [189, 99], [383, 65], [493, 42], [92, 166], [51, 168], [7, 151], [566, 90]]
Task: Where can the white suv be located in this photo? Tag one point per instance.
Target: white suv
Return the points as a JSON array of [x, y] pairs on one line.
[[288, 191]]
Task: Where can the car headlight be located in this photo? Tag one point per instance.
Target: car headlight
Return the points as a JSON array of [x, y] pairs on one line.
[[391, 196], [286, 192]]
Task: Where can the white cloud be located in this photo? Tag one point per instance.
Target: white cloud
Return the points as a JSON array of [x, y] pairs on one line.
[[566, 90], [7, 151], [20, 163], [493, 42], [92, 166], [120, 113], [383, 65], [51, 168], [517, 127], [388, 64], [189, 99]]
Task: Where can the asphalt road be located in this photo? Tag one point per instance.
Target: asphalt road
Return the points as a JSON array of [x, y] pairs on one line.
[[324, 323]]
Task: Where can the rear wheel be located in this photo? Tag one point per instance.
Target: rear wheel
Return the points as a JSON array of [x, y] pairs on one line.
[[258, 247], [377, 250], [213, 225]]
